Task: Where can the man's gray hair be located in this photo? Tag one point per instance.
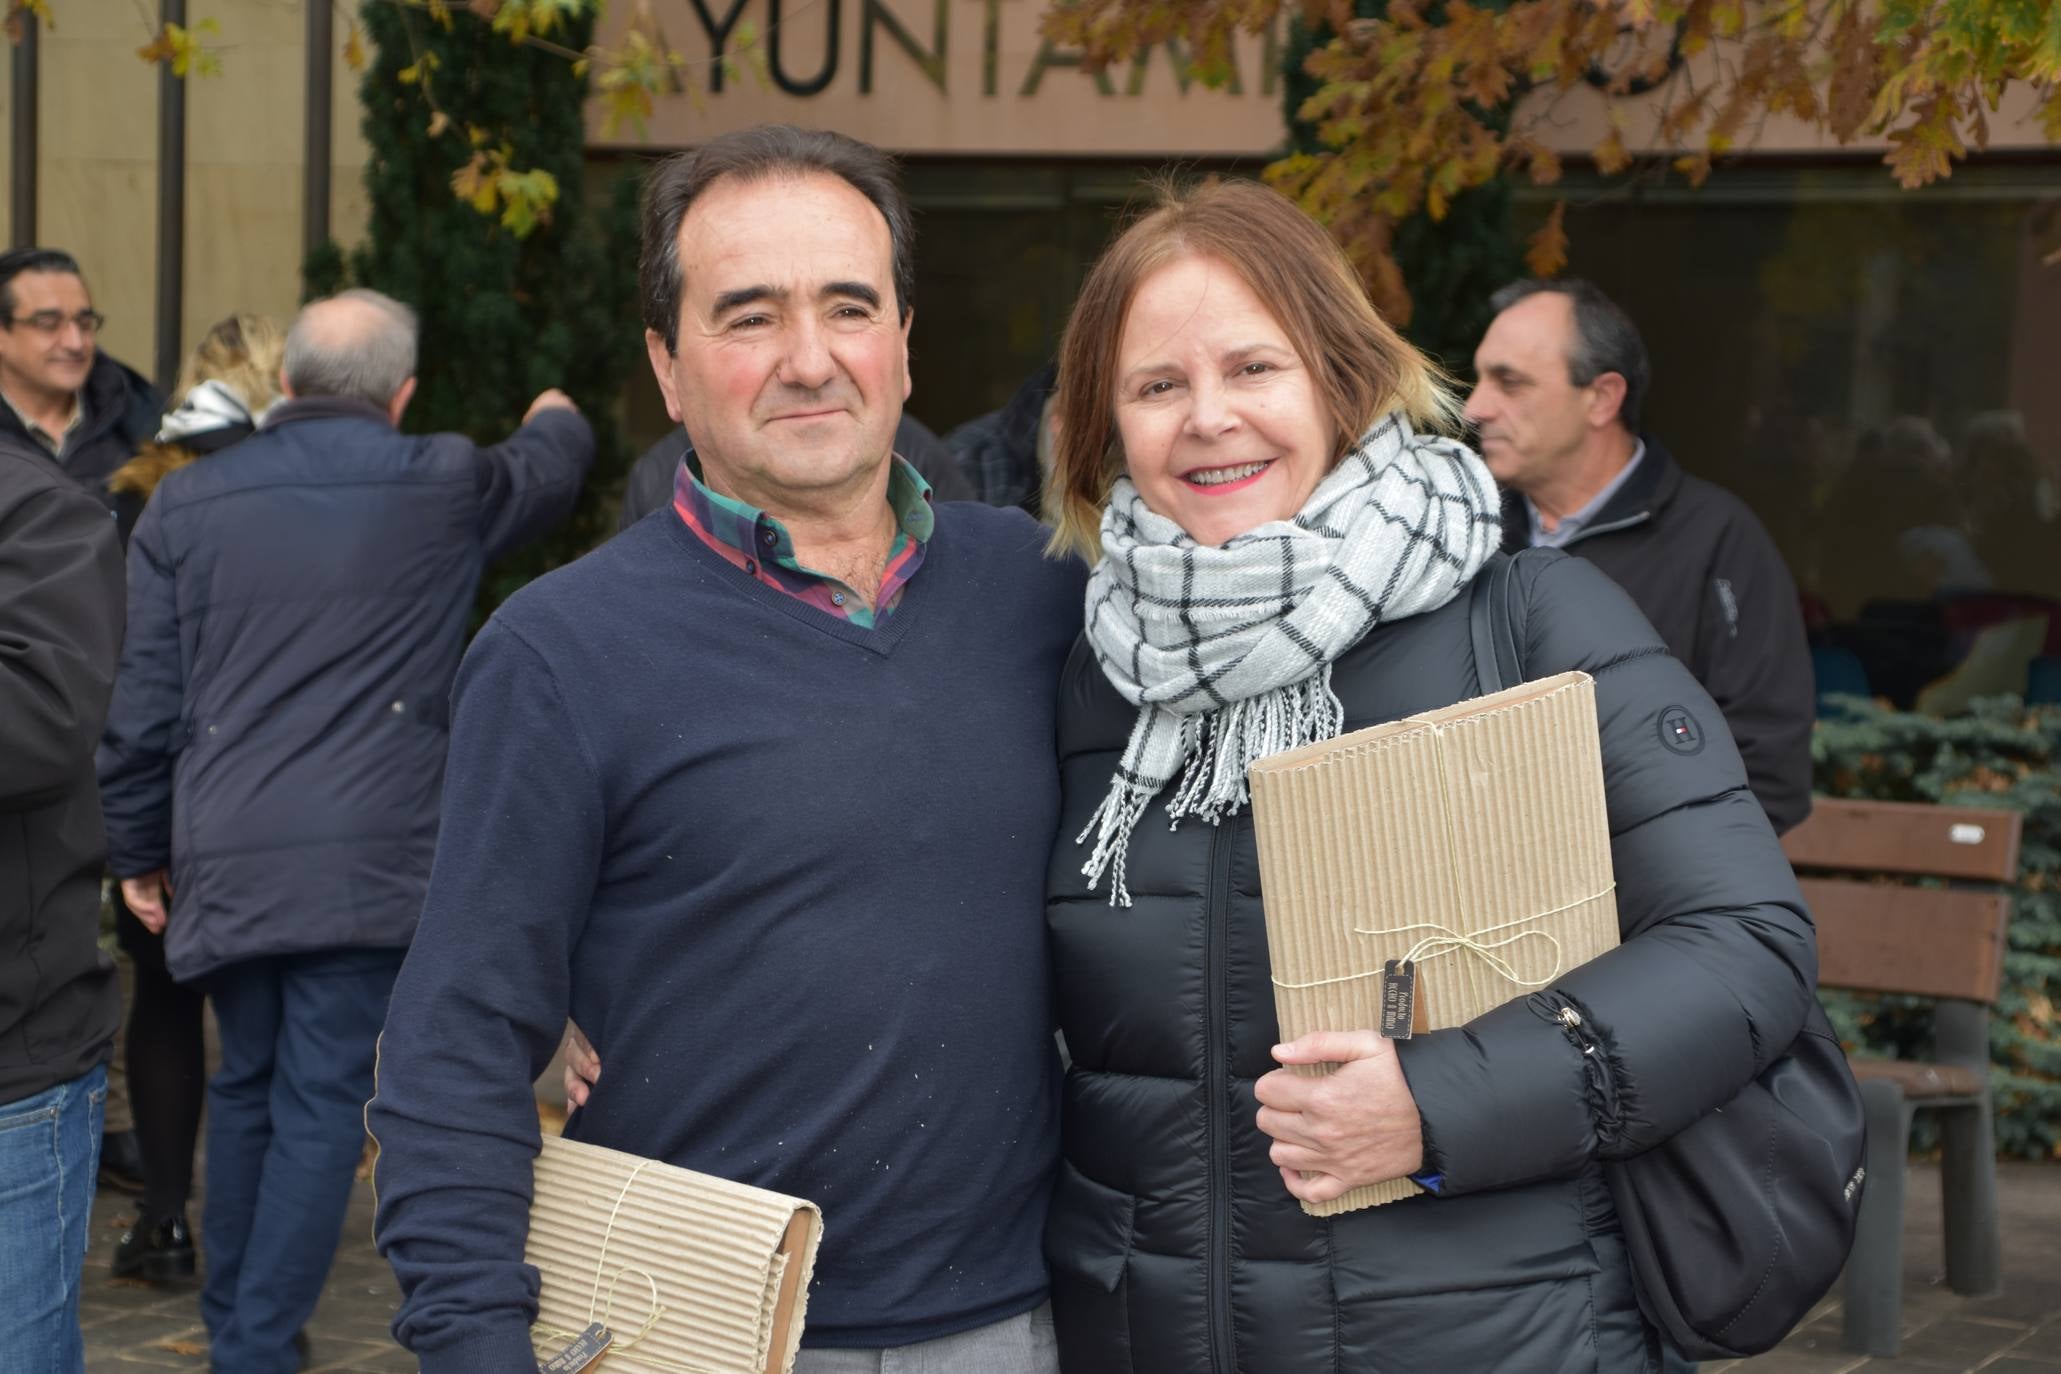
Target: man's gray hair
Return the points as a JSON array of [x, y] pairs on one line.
[[367, 362], [1605, 339]]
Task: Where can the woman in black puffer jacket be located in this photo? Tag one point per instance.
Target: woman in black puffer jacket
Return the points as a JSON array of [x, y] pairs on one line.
[[1219, 362]]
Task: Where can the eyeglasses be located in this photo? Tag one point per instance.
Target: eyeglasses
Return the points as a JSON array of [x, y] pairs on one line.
[[50, 321]]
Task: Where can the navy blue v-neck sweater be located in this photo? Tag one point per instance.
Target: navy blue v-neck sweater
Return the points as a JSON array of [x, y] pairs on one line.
[[788, 874]]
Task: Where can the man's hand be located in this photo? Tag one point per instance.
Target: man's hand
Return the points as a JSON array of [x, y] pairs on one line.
[[149, 899], [582, 1066], [554, 399], [1356, 1126]]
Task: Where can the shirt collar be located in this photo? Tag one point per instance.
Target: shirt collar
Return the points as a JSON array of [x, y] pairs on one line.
[[53, 442], [1571, 525], [745, 527]]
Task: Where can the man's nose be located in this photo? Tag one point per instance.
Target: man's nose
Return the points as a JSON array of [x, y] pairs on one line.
[[807, 363]]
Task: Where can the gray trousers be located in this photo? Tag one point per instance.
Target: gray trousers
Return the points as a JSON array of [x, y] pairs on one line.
[[1020, 1345]]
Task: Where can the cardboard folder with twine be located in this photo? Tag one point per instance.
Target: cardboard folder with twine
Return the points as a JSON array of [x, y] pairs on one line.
[[1471, 842], [690, 1274]]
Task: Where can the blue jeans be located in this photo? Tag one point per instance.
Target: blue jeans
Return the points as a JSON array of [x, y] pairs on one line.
[[49, 1156], [285, 1131]]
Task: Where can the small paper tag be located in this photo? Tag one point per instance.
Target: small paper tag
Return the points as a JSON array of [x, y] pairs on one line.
[[588, 1347], [1398, 999]]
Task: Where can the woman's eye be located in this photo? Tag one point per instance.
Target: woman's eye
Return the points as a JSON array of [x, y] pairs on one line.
[[1158, 388], [1255, 369]]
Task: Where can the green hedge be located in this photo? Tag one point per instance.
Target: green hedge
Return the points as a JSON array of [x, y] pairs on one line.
[[1997, 754]]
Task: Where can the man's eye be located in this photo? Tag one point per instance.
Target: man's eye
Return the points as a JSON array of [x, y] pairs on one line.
[[852, 312], [748, 321]]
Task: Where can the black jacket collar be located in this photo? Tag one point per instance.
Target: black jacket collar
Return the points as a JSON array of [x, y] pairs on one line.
[[1649, 488], [324, 408]]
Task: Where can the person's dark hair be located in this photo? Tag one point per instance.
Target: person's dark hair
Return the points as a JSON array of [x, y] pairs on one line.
[[19, 260], [755, 154], [1605, 339]]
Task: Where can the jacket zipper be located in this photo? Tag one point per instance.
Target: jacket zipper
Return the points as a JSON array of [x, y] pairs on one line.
[[1217, 1086], [1595, 1062]]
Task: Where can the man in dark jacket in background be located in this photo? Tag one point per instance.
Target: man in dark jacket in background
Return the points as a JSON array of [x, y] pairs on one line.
[[298, 606], [63, 395], [60, 631], [1561, 379]]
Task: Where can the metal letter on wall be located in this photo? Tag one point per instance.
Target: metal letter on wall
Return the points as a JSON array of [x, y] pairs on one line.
[[823, 77], [931, 64]]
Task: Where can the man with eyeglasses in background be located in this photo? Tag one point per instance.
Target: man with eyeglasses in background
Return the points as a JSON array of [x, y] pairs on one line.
[[63, 395]]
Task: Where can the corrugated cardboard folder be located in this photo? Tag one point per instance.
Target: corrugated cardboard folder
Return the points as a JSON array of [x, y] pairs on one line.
[[691, 1273], [1471, 841]]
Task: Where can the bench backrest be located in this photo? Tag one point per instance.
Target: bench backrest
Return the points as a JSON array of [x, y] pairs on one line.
[[1875, 937]]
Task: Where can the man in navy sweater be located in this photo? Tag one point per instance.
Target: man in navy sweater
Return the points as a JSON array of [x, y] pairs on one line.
[[761, 793]]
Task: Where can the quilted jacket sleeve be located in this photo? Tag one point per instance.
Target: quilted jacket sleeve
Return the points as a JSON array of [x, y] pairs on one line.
[[1719, 958], [140, 744]]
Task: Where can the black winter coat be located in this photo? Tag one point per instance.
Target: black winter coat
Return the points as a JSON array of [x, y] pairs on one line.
[[297, 606], [1174, 1247], [1706, 573], [60, 630]]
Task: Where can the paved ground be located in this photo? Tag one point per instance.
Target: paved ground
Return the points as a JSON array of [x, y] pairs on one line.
[[133, 1326]]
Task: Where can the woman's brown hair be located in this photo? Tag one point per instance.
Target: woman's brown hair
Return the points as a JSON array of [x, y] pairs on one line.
[[1362, 367]]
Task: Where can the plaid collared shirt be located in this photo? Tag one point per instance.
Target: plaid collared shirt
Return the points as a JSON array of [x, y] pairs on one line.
[[759, 544], [53, 442]]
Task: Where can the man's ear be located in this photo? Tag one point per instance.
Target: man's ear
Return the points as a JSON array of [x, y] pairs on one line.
[[662, 368], [908, 377], [398, 406], [285, 387], [1606, 399]]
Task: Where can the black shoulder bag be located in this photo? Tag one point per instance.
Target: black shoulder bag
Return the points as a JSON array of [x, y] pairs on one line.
[[1740, 1223]]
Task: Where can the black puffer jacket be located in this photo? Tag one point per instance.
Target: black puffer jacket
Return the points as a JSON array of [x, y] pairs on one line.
[[1174, 1246]]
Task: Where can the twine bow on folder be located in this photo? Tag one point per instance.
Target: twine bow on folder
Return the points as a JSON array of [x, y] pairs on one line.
[[1444, 939], [606, 1310]]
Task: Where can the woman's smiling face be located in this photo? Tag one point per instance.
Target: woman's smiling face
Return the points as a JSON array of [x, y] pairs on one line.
[[1223, 429]]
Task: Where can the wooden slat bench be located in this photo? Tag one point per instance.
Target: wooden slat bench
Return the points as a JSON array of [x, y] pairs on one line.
[[1943, 943]]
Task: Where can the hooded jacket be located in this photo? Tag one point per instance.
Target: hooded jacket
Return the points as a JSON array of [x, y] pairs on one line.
[[1172, 1241], [1704, 571], [297, 606], [60, 632]]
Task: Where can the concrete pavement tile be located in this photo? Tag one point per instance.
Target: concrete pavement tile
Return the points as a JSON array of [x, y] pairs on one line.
[[1955, 1343], [1784, 1360], [2018, 1364], [2025, 1298], [328, 1355], [2041, 1343]]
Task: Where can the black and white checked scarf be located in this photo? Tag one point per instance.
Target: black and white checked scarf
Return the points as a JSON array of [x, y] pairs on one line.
[[1227, 651]]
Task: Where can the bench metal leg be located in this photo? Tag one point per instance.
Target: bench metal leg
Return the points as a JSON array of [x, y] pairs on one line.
[[1875, 1270], [1968, 1187]]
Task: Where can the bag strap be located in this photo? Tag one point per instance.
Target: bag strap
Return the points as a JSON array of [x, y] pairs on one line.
[[1492, 619]]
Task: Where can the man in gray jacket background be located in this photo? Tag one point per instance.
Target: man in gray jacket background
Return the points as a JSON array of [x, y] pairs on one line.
[[1562, 376]]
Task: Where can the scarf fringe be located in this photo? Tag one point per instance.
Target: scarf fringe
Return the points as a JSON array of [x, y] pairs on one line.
[[1217, 751]]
